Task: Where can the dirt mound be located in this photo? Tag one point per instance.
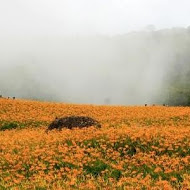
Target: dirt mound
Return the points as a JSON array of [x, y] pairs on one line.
[[70, 122]]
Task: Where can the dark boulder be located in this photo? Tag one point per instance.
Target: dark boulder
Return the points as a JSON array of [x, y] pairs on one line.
[[70, 122]]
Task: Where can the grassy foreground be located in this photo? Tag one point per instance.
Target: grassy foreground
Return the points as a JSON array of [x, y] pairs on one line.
[[136, 148]]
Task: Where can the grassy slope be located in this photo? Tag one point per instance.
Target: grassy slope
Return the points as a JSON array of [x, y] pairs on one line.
[[138, 147]]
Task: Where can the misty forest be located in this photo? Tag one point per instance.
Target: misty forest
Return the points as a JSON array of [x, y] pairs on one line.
[[150, 66]]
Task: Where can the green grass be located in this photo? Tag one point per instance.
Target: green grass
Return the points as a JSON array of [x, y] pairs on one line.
[[7, 125]]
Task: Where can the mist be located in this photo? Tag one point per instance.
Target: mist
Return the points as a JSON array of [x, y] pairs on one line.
[[59, 57]]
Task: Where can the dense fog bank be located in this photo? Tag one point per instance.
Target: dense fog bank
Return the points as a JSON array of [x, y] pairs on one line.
[[131, 69]]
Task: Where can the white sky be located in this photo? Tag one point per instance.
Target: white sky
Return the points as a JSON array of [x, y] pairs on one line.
[[25, 17]]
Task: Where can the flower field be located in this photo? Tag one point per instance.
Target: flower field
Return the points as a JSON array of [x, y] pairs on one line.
[[137, 147]]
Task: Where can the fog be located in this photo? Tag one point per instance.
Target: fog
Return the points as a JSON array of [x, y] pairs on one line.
[[87, 52]]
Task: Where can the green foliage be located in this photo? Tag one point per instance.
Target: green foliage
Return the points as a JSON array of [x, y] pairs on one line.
[[3, 187], [95, 168], [116, 174], [63, 164], [69, 142], [40, 188], [177, 93], [27, 171], [8, 126], [91, 143]]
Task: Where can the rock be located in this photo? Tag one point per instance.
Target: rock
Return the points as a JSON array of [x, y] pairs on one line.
[[70, 122]]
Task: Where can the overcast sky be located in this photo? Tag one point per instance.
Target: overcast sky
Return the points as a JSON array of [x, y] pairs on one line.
[[25, 17]]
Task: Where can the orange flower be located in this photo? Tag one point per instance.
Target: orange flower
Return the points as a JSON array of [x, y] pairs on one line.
[[131, 142]]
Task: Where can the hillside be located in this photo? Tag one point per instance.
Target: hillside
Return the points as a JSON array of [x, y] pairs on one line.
[[137, 147]]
